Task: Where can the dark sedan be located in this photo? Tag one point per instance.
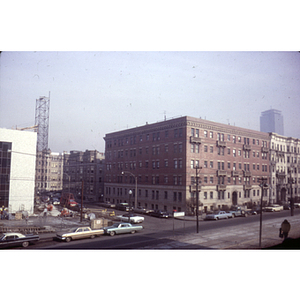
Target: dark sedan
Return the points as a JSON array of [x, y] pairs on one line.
[[159, 214], [13, 239]]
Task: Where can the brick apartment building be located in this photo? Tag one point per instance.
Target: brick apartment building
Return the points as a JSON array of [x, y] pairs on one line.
[[86, 167], [162, 159], [49, 170], [284, 168]]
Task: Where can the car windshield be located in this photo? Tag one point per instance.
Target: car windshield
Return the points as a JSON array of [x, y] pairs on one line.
[[2, 236]]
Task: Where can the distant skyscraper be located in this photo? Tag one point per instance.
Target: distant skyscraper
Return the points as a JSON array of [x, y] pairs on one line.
[[271, 121]]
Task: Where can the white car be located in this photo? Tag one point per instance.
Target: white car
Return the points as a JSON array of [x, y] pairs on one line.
[[131, 218], [274, 207], [218, 215]]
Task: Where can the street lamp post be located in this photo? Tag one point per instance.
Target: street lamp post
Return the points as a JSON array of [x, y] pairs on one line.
[[135, 198]]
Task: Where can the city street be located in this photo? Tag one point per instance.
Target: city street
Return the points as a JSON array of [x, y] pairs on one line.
[[237, 233]]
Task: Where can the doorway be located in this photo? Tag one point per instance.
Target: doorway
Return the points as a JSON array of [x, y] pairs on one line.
[[234, 198]]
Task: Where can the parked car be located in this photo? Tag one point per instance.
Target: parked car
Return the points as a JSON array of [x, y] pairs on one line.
[[79, 233], [108, 204], [55, 201], [273, 208], [159, 214], [286, 207], [123, 206], [218, 215], [13, 239], [237, 212], [78, 208], [120, 228], [131, 218], [296, 205], [142, 210]]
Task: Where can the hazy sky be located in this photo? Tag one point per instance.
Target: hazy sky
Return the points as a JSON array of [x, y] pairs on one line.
[[94, 93]]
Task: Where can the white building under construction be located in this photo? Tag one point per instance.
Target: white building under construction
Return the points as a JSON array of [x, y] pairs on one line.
[[17, 169]]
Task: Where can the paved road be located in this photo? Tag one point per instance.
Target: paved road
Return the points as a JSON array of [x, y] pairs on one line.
[[238, 233]]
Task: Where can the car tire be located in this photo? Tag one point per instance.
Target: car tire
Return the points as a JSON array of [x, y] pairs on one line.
[[25, 244], [112, 233], [132, 231], [68, 239], [93, 236]]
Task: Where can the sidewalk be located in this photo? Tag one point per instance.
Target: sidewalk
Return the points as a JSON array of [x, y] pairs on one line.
[[241, 237]]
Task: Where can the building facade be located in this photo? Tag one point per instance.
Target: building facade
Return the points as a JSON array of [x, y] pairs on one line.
[[284, 168], [84, 170], [49, 170], [162, 159], [272, 121], [17, 169]]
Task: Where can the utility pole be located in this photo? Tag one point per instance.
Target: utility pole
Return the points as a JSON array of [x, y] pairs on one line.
[[197, 197], [291, 185], [263, 184], [81, 201]]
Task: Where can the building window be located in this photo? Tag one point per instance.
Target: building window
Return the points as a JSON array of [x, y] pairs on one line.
[[166, 163], [174, 180], [174, 196], [179, 180], [175, 164], [180, 148], [180, 163], [166, 179], [179, 196]]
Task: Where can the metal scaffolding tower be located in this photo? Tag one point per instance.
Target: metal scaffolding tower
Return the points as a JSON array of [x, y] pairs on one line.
[[42, 121]]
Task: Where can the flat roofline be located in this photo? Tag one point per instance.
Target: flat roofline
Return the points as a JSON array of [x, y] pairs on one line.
[[187, 119]]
